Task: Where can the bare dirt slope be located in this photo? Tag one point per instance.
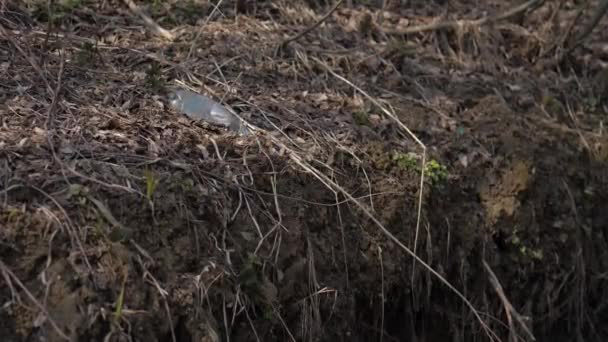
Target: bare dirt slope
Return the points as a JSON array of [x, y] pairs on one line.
[[123, 220]]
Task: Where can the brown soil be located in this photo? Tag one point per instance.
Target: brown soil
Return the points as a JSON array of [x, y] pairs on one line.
[[122, 220]]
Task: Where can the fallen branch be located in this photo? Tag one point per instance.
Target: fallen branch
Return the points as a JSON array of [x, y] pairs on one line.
[[202, 28], [578, 41], [10, 277], [599, 14], [315, 25], [461, 23], [149, 21], [509, 309]]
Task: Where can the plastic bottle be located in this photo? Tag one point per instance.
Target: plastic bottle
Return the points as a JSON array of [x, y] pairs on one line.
[[200, 107]]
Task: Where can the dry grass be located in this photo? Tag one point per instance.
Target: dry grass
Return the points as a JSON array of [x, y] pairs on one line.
[[86, 129]]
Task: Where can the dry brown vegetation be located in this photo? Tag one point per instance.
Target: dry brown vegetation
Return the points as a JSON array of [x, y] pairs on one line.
[[429, 171]]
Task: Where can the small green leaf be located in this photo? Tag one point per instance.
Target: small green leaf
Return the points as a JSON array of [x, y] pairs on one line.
[[120, 301], [151, 184]]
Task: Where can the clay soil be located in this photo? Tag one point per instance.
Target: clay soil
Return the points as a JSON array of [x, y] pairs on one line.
[[123, 220]]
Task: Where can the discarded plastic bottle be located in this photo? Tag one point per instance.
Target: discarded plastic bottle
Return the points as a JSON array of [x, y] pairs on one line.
[[200, 107]]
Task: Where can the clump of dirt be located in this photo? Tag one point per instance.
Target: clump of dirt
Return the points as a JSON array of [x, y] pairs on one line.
[[123, 220]]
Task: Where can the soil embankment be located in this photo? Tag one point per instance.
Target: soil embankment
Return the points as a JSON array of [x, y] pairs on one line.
[[122, 220]]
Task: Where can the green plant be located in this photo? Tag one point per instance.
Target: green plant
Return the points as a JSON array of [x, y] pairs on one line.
[[361, 118], [366, 24], [552, 105], [250, 272], [120, 301], [399, 48], [70, 4], [156, 4], [56, 12], [257, 287], [98, 228], [524, 251], [268, 313], [405, 161], [78, 192], [187, 184], [154, 80], [86, 54], [151, 184], [12, 213], [435, 172]]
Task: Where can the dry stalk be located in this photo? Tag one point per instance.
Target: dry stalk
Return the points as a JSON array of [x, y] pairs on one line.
[[52, 108], [255, 333], [570, 29], [278, 315], [225, 317], [352, 154], [313, 286], [599, 13], [330, 184], [149, 278], [48, 127], [581, 277], [28, 57], [254, 220], [273, 182], [561, 44], [284, 43], [72, 231], [343, 237], [325, 180], [200, 30], [553, 22], [410, 133], [509, 309], [278, 223], [238, 207], [459, 24], [381, 293], [301, 162], [152, 25], [8, 276], [263, 238]]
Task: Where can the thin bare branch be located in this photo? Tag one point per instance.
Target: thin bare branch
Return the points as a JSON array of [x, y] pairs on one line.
[[309, 29], [152, 25], [9, 274], [453, 24]]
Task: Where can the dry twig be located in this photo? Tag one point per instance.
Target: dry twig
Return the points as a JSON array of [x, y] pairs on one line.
[[453, 24], [411, 134], [202, 27], [509, 309], [599, 14], [330, 184], [157, 29], [301, 34], [8, 275]]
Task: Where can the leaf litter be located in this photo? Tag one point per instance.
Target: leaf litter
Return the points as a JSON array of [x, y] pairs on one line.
[[123, 219]]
